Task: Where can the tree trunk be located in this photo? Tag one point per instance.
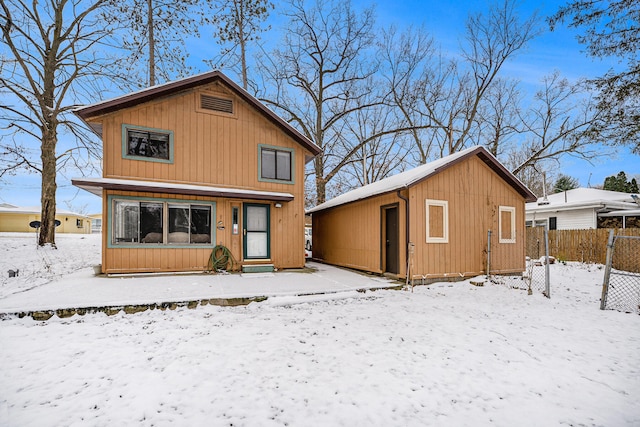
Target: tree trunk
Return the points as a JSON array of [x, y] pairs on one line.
[[152, 44], [243, 44], [321, 183], [49, 187]]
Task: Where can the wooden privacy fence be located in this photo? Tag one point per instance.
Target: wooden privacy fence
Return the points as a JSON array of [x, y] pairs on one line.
[[575, 245]]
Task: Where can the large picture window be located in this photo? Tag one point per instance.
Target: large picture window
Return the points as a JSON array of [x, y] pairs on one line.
[[160, 222], [147, 144], [507, 224], [276, 164], [437, 221]]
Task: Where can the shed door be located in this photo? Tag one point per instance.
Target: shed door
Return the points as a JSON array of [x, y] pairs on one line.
[[391, 240]]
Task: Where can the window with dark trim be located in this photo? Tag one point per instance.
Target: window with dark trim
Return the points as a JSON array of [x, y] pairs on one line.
[[553, 223], [276, 164], [147, 144]]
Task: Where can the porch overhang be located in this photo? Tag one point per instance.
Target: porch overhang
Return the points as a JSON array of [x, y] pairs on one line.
[[96, 185]]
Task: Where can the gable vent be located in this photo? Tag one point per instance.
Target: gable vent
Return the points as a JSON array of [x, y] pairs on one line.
[[216, 104]]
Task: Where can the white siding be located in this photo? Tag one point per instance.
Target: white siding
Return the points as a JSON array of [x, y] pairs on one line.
[[569, 220]]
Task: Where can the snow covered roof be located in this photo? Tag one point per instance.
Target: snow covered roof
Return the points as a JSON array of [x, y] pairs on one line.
[[582, 198], [35, 210], [411, 177], [148, 94], [95, 186], [626, 212]]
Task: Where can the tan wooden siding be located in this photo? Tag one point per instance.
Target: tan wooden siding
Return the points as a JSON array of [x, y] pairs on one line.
[[474, 193], [208, 148], [287, 239], [350, 235]]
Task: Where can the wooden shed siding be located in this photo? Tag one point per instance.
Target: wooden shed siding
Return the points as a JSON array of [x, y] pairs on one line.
[[287, 239], [350, 235], [474, 193]]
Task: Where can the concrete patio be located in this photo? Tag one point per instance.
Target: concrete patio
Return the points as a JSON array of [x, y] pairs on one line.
[[83, 292]]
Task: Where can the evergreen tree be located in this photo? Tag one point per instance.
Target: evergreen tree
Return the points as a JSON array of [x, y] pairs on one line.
[[564, 183], [619, 183]]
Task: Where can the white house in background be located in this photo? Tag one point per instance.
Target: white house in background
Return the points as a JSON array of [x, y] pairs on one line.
[[581, 208]]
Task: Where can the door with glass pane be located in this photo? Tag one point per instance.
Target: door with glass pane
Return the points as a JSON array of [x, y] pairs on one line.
[[256, 231]]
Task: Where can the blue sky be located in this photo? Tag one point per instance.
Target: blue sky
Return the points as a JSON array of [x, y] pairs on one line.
[[445, 20]]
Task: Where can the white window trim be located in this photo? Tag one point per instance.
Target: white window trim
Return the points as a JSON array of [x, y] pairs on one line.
[[512, 211], [445, 218]]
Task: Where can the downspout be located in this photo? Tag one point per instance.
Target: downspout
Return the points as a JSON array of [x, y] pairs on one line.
[[406, 225]]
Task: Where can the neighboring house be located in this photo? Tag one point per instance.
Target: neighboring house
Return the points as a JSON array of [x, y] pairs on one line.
[[444, 209], [96, 223], [17, 219], [192, 164], [582, 208]]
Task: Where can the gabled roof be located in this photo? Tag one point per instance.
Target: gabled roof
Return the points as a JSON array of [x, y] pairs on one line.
[[154, 92], [416, 175], [582, 198]]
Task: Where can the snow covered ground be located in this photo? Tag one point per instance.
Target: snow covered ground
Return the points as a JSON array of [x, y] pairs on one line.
[[448, 354]]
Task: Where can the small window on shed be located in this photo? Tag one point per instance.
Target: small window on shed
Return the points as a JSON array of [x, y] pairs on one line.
[[437, 221], [507, 224]]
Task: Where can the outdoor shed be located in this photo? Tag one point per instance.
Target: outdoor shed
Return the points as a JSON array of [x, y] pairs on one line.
[[194, 164], [435, 217]]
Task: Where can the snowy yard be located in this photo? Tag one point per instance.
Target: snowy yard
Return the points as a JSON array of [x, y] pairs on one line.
[[448, 354]]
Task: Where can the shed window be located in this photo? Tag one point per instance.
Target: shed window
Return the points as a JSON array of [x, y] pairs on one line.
[[139, 143], [276, 164], [507, 224], [437, 221], [160, 223]]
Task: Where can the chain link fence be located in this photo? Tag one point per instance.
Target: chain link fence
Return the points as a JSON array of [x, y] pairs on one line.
[[621, 285], [536, 275]]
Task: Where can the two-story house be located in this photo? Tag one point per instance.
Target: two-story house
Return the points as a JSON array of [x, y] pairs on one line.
[[192, 164]]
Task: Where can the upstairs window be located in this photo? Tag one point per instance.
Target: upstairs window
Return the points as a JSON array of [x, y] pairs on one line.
[[276, 164], [141, 143], [507, 224]]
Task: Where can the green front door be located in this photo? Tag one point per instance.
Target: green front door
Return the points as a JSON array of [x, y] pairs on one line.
[[256, 242]]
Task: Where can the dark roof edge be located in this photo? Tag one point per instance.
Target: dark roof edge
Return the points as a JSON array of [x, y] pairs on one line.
[[145, 95], [92, 186]]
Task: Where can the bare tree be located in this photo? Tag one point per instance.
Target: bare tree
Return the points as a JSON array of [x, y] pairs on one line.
[[490, 41], [554, 124], [381, 149], [317, 76], [415, 76], [238, 23], [153, 32], [498, 118], [52, 60]]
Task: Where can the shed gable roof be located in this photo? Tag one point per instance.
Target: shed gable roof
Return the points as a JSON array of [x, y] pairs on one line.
[[416, 175], [149, 94]]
